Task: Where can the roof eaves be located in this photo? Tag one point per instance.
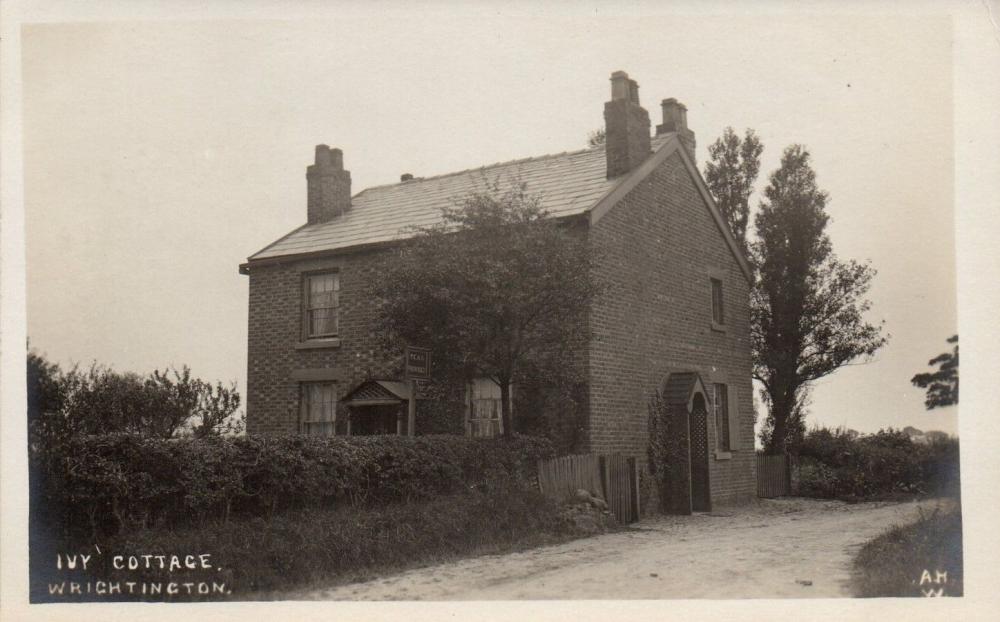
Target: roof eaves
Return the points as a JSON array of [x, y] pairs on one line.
[[244, 267], [284, 237]]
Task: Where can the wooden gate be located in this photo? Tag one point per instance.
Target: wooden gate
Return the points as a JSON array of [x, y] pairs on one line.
[[773, 475], [621, 487], [614, 477]]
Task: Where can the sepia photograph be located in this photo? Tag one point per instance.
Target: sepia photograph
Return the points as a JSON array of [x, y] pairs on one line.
[[334, 304]]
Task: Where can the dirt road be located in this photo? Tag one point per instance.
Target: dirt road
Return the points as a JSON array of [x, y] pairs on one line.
[[771, 549]]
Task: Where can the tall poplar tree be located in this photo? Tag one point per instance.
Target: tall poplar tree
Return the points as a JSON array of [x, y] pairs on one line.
[[808, 307]]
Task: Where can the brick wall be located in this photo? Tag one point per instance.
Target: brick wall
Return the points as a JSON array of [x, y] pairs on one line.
[[660, 248], [275, 329]]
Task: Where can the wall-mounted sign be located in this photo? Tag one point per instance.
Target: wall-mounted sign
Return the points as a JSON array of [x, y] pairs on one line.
[[418, 362]]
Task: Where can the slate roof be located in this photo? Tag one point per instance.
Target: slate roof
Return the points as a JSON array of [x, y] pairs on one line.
[[567, 183]]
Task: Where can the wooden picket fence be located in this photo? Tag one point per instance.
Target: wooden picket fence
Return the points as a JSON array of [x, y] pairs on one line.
[[774, 475], [614, 477]]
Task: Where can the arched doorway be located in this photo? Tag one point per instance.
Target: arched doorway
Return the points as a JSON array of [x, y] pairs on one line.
[[685, 488]]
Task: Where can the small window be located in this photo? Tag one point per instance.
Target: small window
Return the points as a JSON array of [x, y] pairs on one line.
[[718, 311], [318, 411], [322, 301], [720, 408]]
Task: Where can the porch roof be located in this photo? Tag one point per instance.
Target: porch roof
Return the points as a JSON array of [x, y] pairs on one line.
[[377, 393]]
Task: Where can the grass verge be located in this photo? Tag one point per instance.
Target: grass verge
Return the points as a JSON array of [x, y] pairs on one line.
[[264, 558], [920, 559]]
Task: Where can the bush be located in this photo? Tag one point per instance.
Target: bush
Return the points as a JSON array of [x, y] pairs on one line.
[[108, 483], [843, 464], [337, 544], [101, 400]]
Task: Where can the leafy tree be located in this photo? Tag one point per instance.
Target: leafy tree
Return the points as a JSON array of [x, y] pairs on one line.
[[46, 394], [102, 400], [941, 385], [730, 175], [807, 308], [496, 290]]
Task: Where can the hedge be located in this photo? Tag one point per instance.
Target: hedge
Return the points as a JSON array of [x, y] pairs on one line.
[[106, 483], [845, 465]]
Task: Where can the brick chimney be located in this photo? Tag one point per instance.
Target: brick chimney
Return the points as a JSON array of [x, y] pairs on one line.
[[626, 123], [328, 186], [675, 120]]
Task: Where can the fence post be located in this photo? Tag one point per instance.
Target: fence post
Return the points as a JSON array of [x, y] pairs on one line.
[[605, 484], [788, 474], [634, 463]]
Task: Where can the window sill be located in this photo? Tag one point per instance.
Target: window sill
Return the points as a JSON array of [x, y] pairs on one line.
[[719, 328], [313, 344], [723, 455]]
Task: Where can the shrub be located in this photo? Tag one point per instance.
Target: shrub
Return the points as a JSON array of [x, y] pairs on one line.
[[111, 482], [843, 464], [101, 400]]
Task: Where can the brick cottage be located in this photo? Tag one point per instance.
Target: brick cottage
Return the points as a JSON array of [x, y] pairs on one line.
[[676, 319]]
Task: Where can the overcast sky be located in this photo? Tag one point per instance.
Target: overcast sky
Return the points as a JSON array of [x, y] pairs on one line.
[[158, 156]]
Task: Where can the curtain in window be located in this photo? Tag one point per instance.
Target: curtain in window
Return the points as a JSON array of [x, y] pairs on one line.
[[319, 409], [484, 407], [322, 306]]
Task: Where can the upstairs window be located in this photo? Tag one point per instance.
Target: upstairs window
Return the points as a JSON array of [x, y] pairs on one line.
[[322, 301], [318, 408], [718, 311]]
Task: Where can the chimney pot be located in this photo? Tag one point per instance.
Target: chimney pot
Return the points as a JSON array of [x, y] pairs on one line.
[[675, 120], [626, 126], [322, 154]]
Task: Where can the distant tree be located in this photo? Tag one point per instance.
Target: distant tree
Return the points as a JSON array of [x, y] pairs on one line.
[[941, 385], [730, 175], [497, 290], [807, 308], [46, 400], [597, 137], [101, 400], [215, 412]]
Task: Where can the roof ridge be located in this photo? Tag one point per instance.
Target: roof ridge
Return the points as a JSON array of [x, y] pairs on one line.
[[480, 168]]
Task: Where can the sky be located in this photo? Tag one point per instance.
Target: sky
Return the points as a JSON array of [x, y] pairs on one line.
[[159, 155]]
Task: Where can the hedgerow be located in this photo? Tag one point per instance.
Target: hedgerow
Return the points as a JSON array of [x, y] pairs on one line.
[[104, 484], [845, 465]]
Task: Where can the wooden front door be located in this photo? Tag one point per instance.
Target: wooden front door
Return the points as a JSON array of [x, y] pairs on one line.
[[700, 498]]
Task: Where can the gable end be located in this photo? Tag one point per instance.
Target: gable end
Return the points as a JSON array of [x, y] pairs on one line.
[[645, 169]]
